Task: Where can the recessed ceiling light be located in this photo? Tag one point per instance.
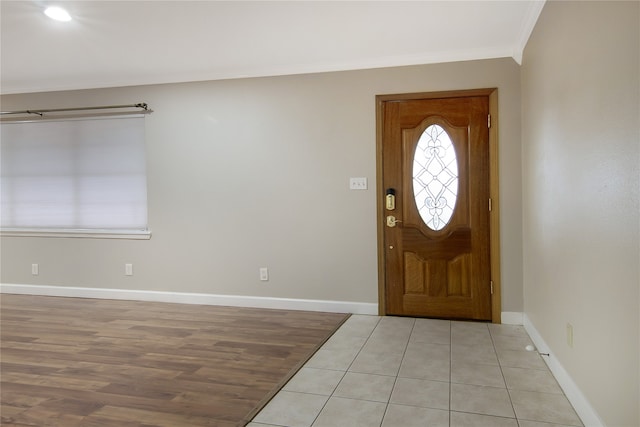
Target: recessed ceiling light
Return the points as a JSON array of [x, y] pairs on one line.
[[57, 13]]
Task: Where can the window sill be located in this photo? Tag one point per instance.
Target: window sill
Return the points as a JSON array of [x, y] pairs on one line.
[[73, 233]]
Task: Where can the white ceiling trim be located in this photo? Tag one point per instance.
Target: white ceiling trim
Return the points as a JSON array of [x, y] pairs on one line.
[[266, 71], [535, 8]]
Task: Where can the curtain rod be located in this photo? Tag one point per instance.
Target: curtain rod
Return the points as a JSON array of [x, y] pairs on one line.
[[40, 112]]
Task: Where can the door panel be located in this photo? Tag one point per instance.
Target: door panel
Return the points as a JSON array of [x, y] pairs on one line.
[[436, 257]]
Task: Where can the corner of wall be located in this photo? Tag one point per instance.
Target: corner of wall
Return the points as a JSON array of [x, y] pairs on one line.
[[512, 318], [583, 408]]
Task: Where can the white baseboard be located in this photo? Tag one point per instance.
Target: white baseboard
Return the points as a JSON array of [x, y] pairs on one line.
[[193, 298], [585, 411], [511, 318]]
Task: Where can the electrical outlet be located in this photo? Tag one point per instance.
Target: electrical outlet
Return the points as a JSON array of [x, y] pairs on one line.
[[570, 335], [264, 274], [128, 269], [35, 269]]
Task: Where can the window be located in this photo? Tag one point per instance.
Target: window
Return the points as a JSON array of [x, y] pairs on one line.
[[83, 177], [435, 177]]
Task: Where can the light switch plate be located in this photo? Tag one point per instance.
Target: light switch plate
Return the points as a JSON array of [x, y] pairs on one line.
[[358, 183]]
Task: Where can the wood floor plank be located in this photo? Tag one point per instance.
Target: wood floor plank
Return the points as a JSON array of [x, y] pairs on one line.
[[93, 363]]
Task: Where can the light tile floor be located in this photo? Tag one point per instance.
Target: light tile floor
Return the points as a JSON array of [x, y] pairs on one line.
[[405, 372]]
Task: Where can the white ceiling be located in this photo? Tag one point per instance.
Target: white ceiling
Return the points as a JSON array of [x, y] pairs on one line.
[[121, 43]]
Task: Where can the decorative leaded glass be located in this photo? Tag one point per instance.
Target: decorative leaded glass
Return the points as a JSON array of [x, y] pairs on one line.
[[435, 177]]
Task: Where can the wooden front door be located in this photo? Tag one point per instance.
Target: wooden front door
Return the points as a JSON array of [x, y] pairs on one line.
[[435, 214]]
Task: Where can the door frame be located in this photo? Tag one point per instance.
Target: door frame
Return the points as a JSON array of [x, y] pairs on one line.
[[494, 187]]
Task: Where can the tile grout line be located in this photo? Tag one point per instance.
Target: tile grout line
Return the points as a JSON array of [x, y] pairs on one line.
[[346, 371], [398, 372], [493, 343]]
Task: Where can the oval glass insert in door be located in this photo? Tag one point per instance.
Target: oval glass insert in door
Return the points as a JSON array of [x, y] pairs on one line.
[[435, 177]]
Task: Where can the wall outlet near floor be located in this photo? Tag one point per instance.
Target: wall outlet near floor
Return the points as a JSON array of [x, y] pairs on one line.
[[570, 335], [128, 269], [264, 274], [35, 269]]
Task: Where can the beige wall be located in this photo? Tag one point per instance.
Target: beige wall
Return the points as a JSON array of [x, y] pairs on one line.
[[254, 172], [580, 90]]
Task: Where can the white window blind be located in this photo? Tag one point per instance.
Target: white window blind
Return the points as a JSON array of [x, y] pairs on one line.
[[74, 175]]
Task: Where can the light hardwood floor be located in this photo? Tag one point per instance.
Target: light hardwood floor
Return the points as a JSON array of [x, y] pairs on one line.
[[84, 362]]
